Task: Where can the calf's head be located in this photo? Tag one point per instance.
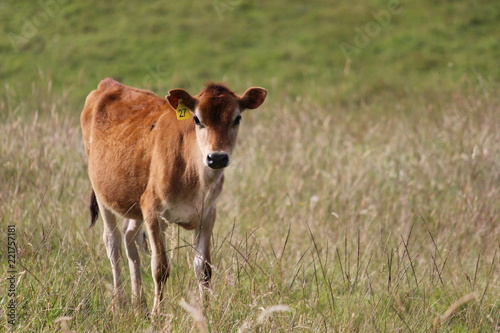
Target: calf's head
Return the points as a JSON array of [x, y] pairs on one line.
[[216, 112]]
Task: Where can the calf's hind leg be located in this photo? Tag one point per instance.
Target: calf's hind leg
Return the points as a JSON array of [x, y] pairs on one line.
[[112, 240], [133, 239]]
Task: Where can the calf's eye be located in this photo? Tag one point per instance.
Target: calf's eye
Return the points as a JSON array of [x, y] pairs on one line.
[[237, 120], [197, 121]]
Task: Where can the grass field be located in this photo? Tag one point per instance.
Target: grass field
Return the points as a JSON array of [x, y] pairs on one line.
[[364, 195]]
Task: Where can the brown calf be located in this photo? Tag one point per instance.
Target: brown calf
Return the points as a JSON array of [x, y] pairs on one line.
[[145, 165]]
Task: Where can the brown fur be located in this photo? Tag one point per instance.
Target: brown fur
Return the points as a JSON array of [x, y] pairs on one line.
[[146, 165]]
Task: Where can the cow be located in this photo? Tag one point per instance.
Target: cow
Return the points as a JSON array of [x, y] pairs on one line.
[[159, 161]]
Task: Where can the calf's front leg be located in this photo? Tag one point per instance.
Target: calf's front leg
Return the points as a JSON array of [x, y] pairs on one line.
[[202, 260], [160, 266]]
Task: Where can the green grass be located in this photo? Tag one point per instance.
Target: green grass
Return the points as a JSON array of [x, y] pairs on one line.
[[364, 196], [290, 47]]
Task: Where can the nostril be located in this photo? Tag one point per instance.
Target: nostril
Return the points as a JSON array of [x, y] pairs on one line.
[[217, 160]]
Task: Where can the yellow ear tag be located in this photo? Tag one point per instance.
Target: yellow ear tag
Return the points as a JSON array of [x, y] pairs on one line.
[[182, 111]]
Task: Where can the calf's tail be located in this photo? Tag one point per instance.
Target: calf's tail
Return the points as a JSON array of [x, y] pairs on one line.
[[94, 208]]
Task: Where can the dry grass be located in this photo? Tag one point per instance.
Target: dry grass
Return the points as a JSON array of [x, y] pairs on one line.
[[371, 217]]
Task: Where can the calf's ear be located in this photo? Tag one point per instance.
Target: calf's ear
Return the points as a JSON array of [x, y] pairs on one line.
[[175, 95], [252, 98]]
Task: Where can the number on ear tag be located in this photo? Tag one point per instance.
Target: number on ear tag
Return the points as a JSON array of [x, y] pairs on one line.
[[182, 111]]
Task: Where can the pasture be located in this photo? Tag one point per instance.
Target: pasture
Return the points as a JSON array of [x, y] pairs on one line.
[[363, 196]]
